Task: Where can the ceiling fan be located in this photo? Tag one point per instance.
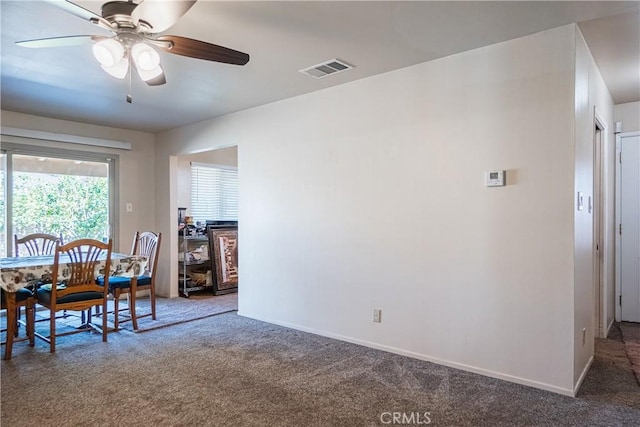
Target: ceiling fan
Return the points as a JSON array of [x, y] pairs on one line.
[[135, 42]]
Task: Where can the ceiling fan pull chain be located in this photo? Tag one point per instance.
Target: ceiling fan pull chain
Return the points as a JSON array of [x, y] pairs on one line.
[[129, 99]]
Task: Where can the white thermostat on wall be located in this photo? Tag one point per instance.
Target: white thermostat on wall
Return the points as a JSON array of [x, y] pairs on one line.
[[494, 178]]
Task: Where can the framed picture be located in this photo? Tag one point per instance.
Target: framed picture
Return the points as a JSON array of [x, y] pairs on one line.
[[225, 259]]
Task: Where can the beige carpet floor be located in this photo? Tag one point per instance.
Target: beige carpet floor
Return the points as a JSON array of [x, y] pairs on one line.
[[173, 311], [169, 311], [228, 370], [631, 338]]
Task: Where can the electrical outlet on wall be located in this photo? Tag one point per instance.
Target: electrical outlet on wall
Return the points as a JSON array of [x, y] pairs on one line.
[[377, 315]]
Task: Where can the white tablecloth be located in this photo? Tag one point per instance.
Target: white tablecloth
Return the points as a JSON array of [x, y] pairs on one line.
[[18, 272]]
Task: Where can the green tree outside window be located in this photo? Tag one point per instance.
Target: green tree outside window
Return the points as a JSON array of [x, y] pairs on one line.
[[72, 206]]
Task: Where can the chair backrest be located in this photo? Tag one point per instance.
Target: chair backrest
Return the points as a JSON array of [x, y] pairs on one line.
[[36, 244], [147, 243], [81, 269]]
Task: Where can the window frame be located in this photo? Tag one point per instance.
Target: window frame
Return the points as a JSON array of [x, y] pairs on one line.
[[112, 160]]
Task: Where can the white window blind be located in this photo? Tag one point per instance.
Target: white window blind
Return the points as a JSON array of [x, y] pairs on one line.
[[214, 192]]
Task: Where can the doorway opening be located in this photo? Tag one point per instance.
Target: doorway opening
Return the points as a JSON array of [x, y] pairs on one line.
[[207, 198]]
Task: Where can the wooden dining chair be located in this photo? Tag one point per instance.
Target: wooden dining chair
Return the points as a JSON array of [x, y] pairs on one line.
[[76, 288], [147, 244], [35, 244], [12, 302]]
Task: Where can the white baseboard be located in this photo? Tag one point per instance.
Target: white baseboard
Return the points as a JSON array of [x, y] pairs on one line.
[[609, 328], [582, 376], [419, 356]]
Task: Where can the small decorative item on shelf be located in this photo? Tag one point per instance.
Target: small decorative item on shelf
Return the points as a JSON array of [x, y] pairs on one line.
[[200, 228], [186, 227], [199, 277], [202, 252]]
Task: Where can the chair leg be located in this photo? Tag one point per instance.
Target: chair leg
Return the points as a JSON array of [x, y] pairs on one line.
[[52, 331], [116, 309], [31, 324], [17, 329], [153, 300], [11, 323], [133, 290], [17, 321], [104, 320]]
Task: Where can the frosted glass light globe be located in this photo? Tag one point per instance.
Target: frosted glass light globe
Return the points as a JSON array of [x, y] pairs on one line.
[[108, 52], [145, 57]]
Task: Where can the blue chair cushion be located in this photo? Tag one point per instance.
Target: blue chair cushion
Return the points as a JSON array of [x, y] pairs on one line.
[[21, 295], [124, 282], [44, 297]]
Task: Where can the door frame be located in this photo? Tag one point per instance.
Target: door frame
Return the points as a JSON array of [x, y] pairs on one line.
[[619, 137], [599, 281]]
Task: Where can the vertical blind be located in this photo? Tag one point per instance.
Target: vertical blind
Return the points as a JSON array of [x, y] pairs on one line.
[[214, 192]]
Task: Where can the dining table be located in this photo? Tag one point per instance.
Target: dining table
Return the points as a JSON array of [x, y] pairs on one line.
[[19, 272]]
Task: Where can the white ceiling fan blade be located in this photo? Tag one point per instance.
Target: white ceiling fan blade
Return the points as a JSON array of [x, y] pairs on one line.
[[161, 14], [74, 9], [81, 12], [60, 41]]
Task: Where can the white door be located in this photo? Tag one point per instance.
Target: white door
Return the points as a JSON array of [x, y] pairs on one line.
[[630, 231]]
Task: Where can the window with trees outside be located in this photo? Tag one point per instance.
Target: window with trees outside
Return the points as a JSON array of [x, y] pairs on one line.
[[68, 197], [214, 192]]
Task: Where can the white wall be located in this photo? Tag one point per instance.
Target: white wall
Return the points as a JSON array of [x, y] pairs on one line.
[[370, 195], [167, 224], [629, 115], [136, 166], [591, 97]]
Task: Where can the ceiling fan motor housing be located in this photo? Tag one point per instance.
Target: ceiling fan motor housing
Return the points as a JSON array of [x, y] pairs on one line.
[[119, 12]]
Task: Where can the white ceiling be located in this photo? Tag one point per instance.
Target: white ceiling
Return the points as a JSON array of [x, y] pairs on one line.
[[282, 38]]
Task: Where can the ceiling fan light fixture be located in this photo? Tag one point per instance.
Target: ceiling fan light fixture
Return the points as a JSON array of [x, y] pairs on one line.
[[145, 57], [147, 75], [108, 52], [119, 70]]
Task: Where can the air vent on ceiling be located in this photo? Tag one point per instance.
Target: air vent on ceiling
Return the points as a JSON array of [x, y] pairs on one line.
[[333, 66]]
